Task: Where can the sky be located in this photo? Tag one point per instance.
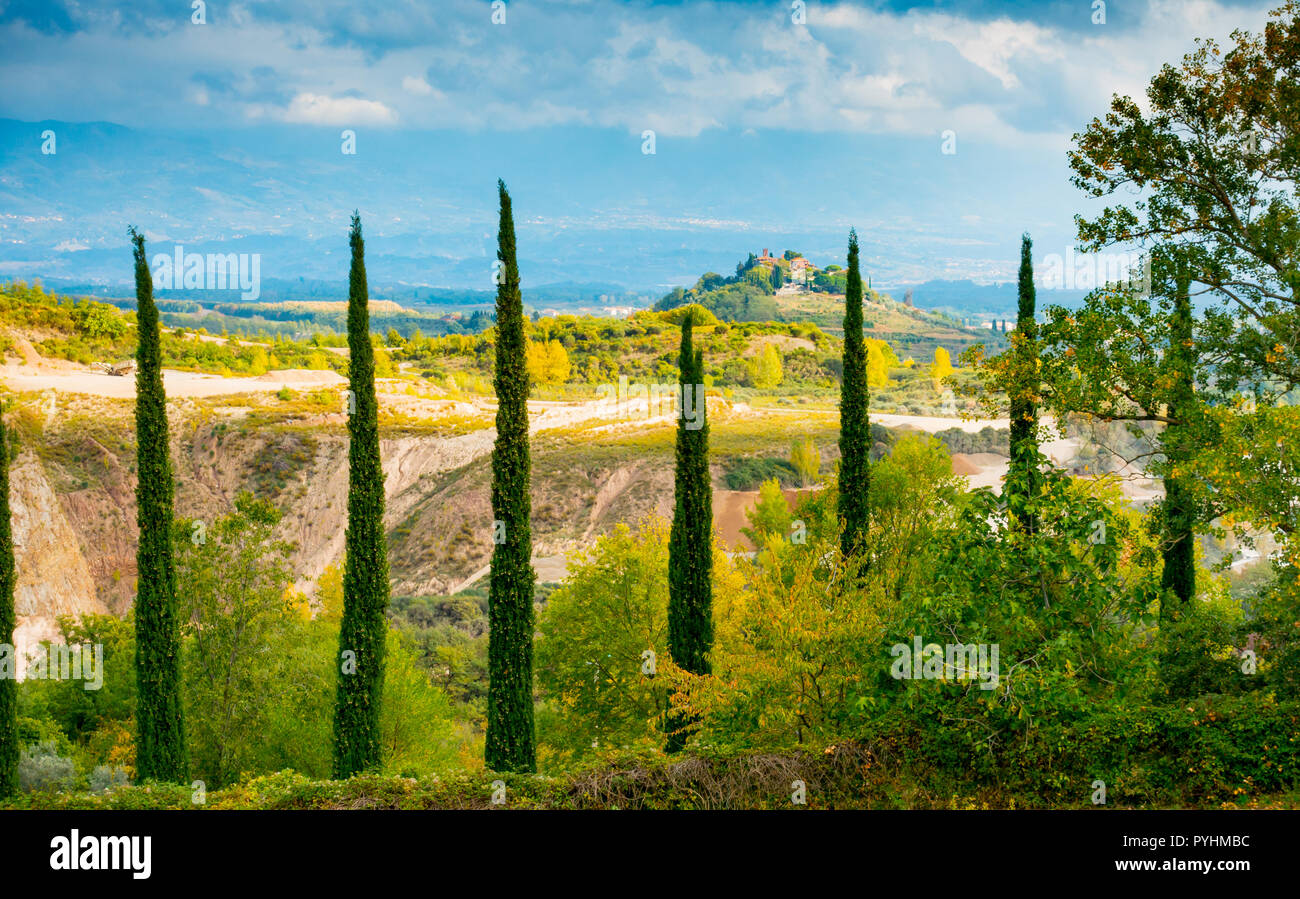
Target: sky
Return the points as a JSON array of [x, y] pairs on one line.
[[774, 124]]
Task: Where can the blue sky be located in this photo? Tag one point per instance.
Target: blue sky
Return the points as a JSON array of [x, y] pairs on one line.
[[767, 132]]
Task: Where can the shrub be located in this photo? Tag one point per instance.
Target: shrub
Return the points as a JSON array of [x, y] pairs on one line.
[[106, 777], [749, 473], [40, 767]]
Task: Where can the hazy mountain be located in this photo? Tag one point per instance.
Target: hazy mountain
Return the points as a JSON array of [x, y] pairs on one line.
[[591, 211]]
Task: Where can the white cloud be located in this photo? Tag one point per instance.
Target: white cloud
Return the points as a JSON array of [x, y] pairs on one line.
[[318, 109], [677, 69], [993, 46], [419, 87]]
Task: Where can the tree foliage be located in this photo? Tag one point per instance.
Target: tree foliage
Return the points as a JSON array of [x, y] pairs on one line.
[[690, 562], [362, 634], [855, 428], [510, 742], [160, 744]]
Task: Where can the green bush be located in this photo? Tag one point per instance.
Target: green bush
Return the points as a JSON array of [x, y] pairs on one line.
[[41, 767], [750, 473]]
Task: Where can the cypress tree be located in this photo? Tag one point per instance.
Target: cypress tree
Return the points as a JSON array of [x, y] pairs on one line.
[[510, 741], [160, 744], [1024, 478], [8, 678], [690, 541], [1178, 543], [365, 564], [855, 426]]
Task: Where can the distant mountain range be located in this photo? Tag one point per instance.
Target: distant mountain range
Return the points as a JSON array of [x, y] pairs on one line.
[[968, 299], [593, 211], [962, 299], [563, 296]]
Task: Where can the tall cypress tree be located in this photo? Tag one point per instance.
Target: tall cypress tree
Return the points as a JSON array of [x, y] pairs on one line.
[[1024, 478], [690, 541], [365, 565], [855, 426], [510, 738], [8, 681], [1179, 514], [160, 744]]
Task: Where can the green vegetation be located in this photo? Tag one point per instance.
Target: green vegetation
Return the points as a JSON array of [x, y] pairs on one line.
[[231, 577], [160, 746], [690, 543], [1178, 513], [89, 332], [896, 640], [1023, 478], [365, 574], [510, 743], [855, 428]]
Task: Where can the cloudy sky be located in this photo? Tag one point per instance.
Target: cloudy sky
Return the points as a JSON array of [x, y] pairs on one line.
[[767, 131]]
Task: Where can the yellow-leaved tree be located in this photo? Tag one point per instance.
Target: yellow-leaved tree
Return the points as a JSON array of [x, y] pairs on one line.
[[877, 364], [806, 461], [942, 367], [548, 363], [766, 369]]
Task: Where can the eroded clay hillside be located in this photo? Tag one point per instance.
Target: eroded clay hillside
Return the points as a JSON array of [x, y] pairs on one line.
[[74, 494], [286, 440]]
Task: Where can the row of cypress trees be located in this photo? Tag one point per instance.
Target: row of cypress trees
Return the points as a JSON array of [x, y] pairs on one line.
[[160, 739], [510, 741], [161, 749]]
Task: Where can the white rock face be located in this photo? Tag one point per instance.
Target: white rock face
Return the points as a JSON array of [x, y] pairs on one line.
[[53, 578]]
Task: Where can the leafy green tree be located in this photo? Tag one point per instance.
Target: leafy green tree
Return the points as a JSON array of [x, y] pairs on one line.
[[595, 631], [690, 556], [795, 661], [1120, 357], [1059, 604], [913, 499], [418, 728], [160, 745], [855, 427], [806, 461], [9, 748], [80, 711], [770, 516], [767, 370], [1209, 163], [1023, 477], [510, 744], [362, 634], [234, 579]]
